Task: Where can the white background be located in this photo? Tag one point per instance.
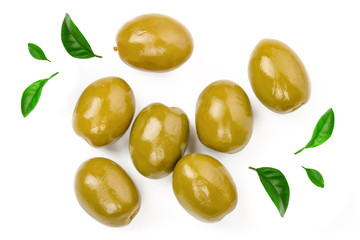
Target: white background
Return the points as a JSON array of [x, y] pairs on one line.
[[40, 154]]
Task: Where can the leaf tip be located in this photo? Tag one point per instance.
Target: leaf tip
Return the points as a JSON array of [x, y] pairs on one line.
[[23, 111], [332, 112]]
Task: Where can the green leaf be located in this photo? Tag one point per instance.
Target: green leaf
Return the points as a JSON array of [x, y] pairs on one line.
[[322, 131], [31, 95], [276, 186], [37, 52], [315, 177], [73, 40]]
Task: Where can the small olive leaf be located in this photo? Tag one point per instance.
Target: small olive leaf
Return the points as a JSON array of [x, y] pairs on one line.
[[37, 52], [31, 95], [315, 177], [322, 131], [74, 41], [276, 186]]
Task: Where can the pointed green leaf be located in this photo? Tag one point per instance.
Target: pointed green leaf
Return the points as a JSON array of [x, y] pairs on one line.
[[31, 95], [276, 186], [322, 131], [37, 52], [74, 41], [315, 177]]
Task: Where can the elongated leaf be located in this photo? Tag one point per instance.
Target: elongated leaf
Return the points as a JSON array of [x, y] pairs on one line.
[[37, 52], [276, 186], [322, 131], [31, 95], [74, 41], [315, 177]]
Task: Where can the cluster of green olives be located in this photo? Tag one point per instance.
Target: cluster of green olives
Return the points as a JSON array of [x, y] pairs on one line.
[[159, 134]]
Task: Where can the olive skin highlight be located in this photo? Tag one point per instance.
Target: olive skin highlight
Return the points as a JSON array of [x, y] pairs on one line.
[[204, 188], [154, 42], [224, 118], [104, 111], [158, 139], [106, 192], [278, 76]]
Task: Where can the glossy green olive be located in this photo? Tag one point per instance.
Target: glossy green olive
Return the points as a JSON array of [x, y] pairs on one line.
[[106, 192], [158, 139], [278, 77], [154, 42], [224, 118], [204, 187], [104, 111]]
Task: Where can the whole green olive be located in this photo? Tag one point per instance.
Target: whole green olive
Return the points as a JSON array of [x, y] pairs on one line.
[[106, 192], [104, 111], [224, 119], [154, 42], [278, 77], [158, 139], [204, 187]]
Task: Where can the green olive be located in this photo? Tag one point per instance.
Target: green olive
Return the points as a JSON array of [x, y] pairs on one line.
[[158, 139], [204, 187], [154, 42], [106, 192], [278, 77], [104, 111], [224, 119]]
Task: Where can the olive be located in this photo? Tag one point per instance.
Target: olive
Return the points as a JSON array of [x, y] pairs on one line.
[[278, 77], [224, 118], [104, 111], [154, 42], [158, 139], [106, 192], [204, 187]]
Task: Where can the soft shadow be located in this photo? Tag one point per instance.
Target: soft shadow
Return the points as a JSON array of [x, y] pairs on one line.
[[194, 142], [120, 145]]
